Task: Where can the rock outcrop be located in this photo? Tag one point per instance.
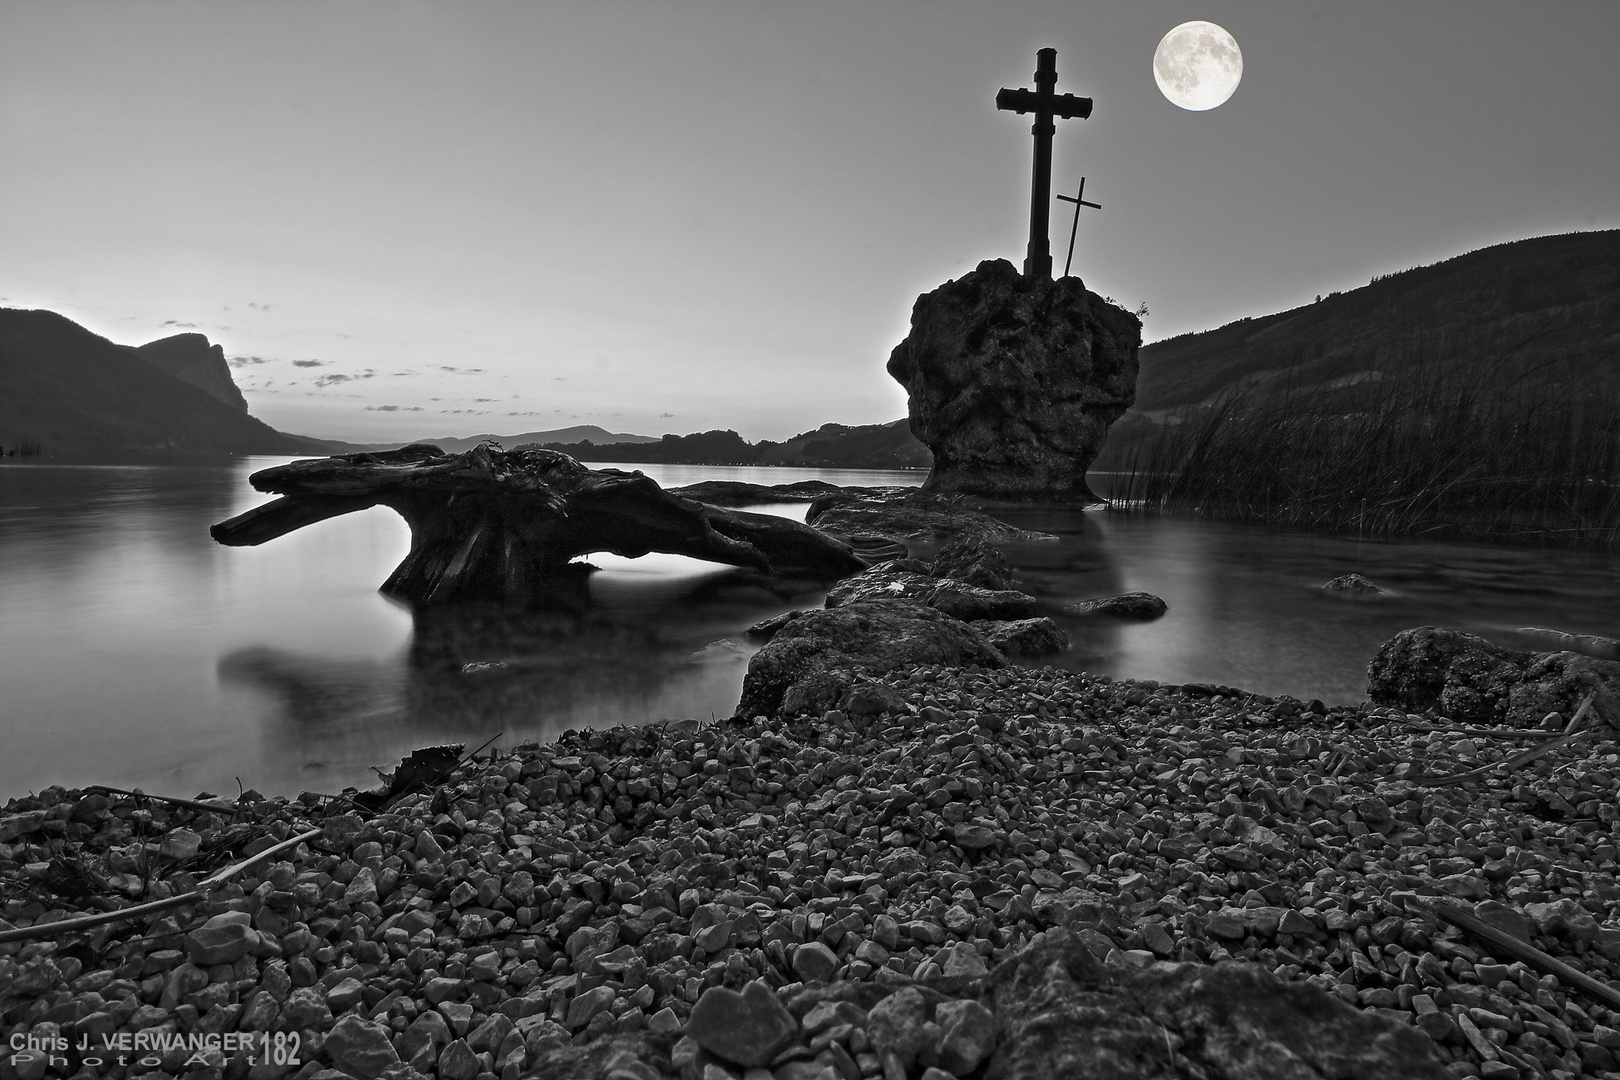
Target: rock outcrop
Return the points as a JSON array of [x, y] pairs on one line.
[[1013, 382], [812, 662], [191, 358], [1471, 680]]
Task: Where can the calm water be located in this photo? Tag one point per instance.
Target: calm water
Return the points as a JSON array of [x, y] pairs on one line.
[[135, 651]]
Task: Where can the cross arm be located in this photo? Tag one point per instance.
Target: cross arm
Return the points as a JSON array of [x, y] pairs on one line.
[[1066, 106]]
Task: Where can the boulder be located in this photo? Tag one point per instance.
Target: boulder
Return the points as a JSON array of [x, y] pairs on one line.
[[1024, 637], [954, 598], [1012, 382], [1472, 680], [812, 662], [1135, 605], [1062, 1012]]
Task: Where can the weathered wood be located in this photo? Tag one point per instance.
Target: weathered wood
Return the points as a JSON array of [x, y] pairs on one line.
[[1506, 945], [499, 524]]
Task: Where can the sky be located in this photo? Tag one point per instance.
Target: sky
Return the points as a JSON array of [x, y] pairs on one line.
[[405, 220]]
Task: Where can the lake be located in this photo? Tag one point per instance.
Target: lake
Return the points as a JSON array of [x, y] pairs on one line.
[[135, 651]]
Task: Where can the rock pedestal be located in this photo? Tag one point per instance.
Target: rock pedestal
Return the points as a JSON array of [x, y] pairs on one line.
[[1013, 381]]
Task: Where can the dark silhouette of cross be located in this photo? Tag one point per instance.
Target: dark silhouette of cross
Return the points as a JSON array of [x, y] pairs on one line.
[[1046, 104], [1079, 200]]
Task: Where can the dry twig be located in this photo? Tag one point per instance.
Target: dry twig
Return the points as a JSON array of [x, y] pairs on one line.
[[204, 887], [213, 808], [1524, 757]]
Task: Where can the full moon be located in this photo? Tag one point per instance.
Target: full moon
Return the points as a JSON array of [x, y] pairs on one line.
[[1197, 65]]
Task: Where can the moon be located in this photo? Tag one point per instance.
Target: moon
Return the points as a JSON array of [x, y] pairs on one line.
[[1197, 66]]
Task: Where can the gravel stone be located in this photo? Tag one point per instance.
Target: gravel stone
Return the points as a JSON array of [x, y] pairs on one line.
[[557, 901], [748, 1028]]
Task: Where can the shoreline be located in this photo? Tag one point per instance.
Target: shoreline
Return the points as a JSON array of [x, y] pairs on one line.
[[560, 918]]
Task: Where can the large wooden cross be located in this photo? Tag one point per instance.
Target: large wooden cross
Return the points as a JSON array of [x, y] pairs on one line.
[[1046, 104]]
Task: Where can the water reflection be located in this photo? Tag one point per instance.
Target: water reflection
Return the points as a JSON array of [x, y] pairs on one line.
[[638, 640], [1246, 606], [135, 651]]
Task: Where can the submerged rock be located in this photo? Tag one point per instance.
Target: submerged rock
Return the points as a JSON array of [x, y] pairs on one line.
[[954, 598], [1012, 382], [1135, 605], [914, 515], [1352, 585]]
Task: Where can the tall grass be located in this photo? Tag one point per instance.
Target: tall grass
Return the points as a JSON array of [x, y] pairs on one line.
[[1493, 451]]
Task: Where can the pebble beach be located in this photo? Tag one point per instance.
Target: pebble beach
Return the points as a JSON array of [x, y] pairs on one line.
[[684, 899]]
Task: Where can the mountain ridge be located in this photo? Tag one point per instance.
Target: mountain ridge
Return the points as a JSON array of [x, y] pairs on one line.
[[66, 391]]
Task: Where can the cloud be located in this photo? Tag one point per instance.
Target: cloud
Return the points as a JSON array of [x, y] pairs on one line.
[[330, 380], [183, 325], [244, 361], [309, 363], [261, 307], [393, 408], [460, 370], [478, 400], [662, 415]]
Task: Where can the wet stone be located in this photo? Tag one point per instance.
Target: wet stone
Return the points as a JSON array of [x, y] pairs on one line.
[[749, 1028]]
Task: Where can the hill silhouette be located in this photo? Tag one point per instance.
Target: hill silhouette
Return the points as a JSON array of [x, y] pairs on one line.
[[65, 391], [866, 446], [1547, 308], [831, 446], [597, 436], [1476, 398]]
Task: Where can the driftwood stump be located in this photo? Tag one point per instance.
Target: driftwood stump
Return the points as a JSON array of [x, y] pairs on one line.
[[501, 524]]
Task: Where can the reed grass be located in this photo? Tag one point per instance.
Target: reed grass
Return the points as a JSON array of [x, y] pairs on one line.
[[1498, 451]]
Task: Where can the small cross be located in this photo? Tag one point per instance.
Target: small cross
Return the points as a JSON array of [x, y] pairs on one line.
[[1045, 103], [1079, 200]]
